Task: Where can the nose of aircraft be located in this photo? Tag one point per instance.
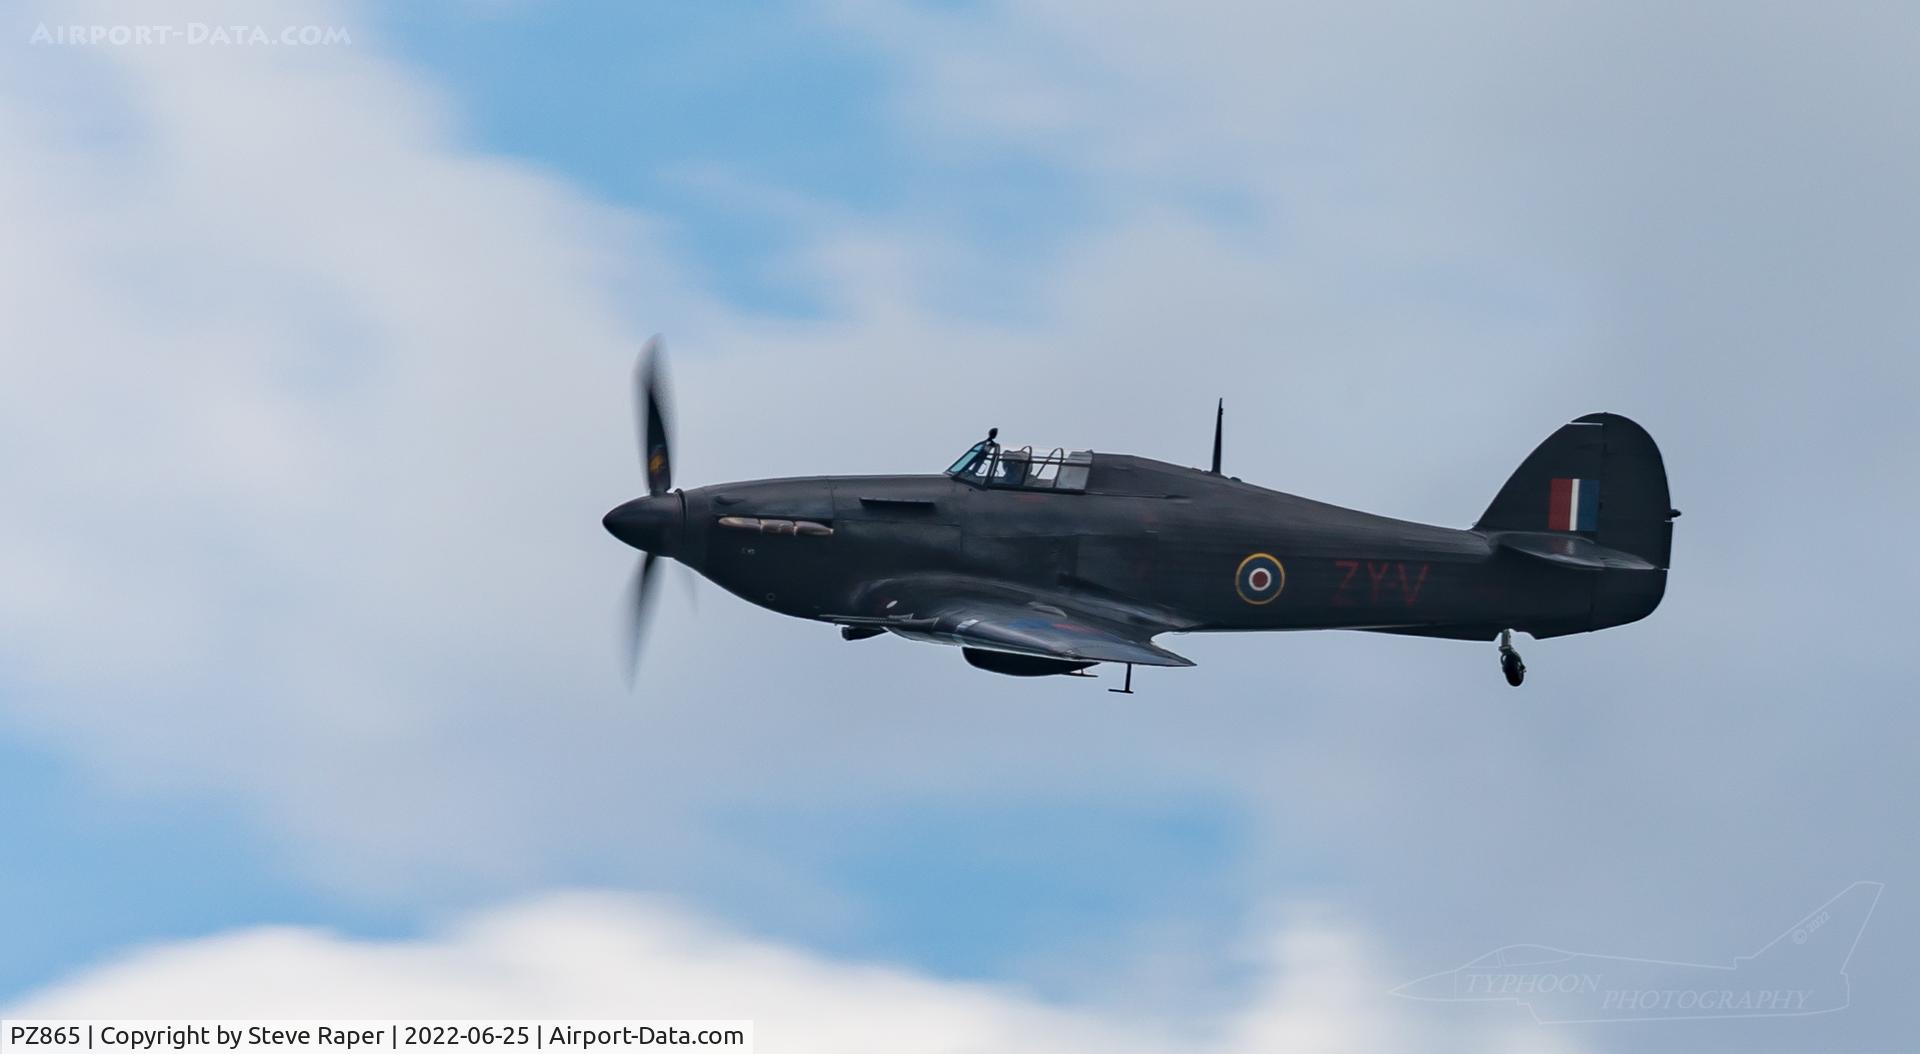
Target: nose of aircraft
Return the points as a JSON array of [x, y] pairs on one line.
[[650, 524]]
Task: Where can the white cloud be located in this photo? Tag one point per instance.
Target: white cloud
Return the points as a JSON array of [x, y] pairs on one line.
[[284, 380], [587, 956]]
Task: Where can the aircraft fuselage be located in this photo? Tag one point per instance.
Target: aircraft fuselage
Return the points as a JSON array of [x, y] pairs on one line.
[[1206, 552]]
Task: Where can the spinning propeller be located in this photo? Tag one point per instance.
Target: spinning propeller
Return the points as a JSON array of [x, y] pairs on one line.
[[650, 524]]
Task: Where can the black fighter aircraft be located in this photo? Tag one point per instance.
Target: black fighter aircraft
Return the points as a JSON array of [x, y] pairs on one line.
[[1036, 563]]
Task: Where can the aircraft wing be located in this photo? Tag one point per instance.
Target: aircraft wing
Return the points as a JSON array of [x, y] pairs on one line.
[[1043, 626]]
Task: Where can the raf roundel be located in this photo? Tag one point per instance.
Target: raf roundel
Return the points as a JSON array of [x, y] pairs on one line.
[[1260, 579]]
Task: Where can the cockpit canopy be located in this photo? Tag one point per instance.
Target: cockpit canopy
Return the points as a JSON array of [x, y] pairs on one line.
[[991, 464]]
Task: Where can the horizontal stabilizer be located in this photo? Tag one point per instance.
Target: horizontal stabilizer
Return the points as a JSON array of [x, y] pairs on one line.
[[1570, 550]]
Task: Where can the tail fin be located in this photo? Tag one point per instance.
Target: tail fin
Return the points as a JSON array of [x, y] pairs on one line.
[[1600, 477], [1595, 490]]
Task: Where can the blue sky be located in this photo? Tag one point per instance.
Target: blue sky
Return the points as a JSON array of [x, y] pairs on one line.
[[627, 97], [89, 872], [651, 106], [319, 362]]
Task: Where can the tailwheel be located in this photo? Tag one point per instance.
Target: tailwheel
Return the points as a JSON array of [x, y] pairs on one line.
[[1510, 664]]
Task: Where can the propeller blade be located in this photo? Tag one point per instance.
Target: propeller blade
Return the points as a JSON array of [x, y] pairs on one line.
[[639, 601], [650, 413], [693, 588]]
